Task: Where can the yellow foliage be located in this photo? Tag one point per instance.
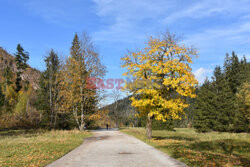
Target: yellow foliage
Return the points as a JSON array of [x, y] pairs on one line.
[[23, 98], [162, 78], [243, 97], [11, 95]]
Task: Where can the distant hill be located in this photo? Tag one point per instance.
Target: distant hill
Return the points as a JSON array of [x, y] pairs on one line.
[[127, 117], [126, 113], [7, 60]]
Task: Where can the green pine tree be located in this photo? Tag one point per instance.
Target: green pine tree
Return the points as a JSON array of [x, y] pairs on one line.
[[244, 74], [204, 117], [232, 69], [48, 93], [21, 58], [224, 102], [75, 50]]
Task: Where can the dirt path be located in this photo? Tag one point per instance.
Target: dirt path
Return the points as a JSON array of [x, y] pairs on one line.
[[115, 149]]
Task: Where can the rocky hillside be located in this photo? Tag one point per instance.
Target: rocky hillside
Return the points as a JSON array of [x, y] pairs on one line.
[[7, 60]]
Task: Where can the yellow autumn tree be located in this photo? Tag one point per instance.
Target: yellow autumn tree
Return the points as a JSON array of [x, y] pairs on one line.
[[162, 79]]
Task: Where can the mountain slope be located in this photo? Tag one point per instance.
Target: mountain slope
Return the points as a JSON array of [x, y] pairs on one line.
[[7, 60]]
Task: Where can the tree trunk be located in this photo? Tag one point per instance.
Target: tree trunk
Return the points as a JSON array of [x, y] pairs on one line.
[[51, 120], [82, 122], [116, 124], [149, 127], [55, 120], [51, 109], [82, 110]]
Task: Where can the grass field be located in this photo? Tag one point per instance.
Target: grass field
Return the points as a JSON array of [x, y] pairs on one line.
[[199, 149], [37, 147]]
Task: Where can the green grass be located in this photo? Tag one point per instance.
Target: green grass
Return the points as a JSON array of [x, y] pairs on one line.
[[37, 147], [199, 149]]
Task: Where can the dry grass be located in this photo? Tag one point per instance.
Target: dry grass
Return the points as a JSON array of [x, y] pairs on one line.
[[200, 149], [37, 147]]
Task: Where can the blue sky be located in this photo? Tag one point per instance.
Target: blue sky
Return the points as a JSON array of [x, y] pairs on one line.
[[214, 27]]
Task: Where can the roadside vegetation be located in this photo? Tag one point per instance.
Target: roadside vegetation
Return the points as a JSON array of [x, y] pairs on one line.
[[199, 149], [37, 147]]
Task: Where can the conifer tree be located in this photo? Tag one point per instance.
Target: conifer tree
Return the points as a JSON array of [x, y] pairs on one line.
[[205, 115], [244, 74], [42, 102], [21, 58], [224, 102], [232, 71], [49, 87], [75, 50]]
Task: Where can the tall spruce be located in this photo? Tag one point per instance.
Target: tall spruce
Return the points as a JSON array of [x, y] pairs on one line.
[[237, 73], [204, 119], [75, 50], [21, 58], [244, 74], [224, 102], [232, 71], [49, 89]]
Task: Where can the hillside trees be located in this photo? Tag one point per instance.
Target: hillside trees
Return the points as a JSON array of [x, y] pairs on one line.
[[115, 95], [126, 113], [75, 94], [162, 77], [18, 108], [1, 98], [22, 110], [8, 76], [7, 82]]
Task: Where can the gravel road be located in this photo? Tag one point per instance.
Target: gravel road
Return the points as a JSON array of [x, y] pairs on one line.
[[115, 149]]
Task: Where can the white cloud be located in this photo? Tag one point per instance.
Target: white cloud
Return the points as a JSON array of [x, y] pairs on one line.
[[206, 8], [127, 20], [197, 11], [201, 74], [225, 37]]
